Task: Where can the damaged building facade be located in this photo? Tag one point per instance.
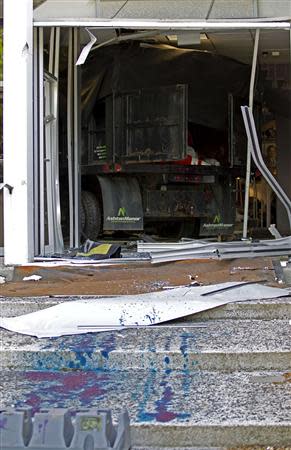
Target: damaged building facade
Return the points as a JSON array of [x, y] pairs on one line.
[[125, 116]]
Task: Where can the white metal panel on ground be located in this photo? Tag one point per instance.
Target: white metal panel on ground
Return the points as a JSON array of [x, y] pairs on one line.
[[115, 313]]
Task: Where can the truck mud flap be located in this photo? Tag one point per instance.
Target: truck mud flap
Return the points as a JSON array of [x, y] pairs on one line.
[[122, 203], [221, 212]]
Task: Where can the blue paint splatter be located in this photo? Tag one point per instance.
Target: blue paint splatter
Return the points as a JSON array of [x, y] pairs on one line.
[[76, 343], [186, 371], [168, 343], [150, 381], [162, 412], [107, 345], [167, 362]]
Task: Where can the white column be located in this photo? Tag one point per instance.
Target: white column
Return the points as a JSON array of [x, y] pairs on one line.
[[18, 131]]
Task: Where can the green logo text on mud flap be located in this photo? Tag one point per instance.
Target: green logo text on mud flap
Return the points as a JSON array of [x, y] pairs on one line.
[[121, 212], [122, 217], [217, 218]]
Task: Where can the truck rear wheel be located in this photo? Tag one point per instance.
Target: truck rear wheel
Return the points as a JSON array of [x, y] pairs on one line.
[[90, 216]]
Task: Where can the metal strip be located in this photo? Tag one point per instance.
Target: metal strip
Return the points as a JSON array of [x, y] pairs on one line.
[[36, 140], [59, 243], [41, 143], [76, 112], [149, 24], [215, 250], [54, 230], [255, 252], [259, 161], [197, 245], [48, 167], [51, 51], [131, 37], [49, 77], [248, 165], [243, 283], [160, 326], [50, 97], [230, 130], [146, 247], [239, 253], [50, 141], [209, 9], [70, 137]]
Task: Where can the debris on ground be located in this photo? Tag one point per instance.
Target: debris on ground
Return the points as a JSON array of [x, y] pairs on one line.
[[136, 277], [162, 252], [122, 270], [97, 251], [32, 278]]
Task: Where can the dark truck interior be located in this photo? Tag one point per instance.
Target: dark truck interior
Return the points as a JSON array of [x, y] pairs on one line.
[[164, 122]]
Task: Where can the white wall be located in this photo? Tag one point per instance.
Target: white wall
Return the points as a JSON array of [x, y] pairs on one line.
[[17, 144]]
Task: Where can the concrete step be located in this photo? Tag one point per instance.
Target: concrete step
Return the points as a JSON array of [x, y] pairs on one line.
[[279, 308], [220, 379], [178, 408], [221, 345]]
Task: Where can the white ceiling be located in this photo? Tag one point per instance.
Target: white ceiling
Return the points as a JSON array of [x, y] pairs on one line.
[[235, 44]]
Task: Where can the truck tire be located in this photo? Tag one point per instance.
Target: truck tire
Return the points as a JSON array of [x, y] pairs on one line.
[[90, 216]]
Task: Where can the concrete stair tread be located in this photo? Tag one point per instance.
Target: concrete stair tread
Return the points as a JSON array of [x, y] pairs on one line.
[[226, 336], [149, 394], [224, 345], [166, 406]]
